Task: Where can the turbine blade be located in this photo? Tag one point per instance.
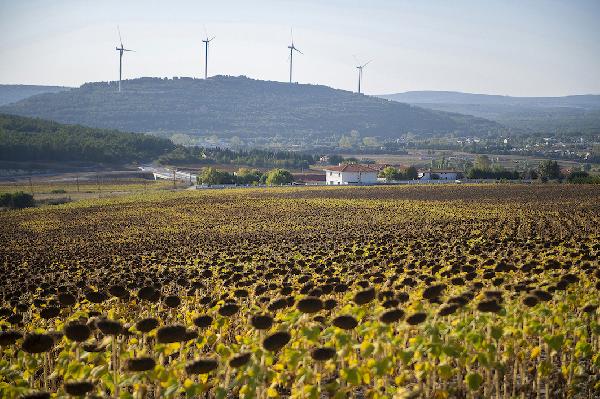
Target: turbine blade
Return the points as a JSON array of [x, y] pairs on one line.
[[298, 51], [120, 40], [211, 39], [367, 63]]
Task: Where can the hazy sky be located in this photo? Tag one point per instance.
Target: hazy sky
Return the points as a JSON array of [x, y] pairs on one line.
[[520, 47]]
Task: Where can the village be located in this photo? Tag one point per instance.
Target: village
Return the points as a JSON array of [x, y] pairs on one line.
[[364, 172], [331, 175]]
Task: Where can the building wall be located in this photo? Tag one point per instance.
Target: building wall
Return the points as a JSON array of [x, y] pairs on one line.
[[442, 176], [339, 178]]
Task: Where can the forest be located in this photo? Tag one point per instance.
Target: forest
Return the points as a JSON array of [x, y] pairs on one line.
[[27, 139], [251, 157]]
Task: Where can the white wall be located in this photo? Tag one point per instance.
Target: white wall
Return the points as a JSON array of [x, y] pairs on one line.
[[339, 178], [442, 176]]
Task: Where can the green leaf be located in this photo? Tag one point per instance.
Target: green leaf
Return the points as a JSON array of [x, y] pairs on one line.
[[108, 382], [496, 332], [445, 371], [171, 389], [220, 393], [474, 381], [452, 350], [99, 371], [351, 375], [555, 342], [312, 334], [406, 356]]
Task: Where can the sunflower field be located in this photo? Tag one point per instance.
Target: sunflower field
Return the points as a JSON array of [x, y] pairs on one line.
[[342, 292]]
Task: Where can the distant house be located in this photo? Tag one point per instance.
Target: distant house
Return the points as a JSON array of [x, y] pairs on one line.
[[350, 174], [439, 174]]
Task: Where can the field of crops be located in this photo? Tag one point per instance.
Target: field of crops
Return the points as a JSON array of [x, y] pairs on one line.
[[375, 292], [102, 187]]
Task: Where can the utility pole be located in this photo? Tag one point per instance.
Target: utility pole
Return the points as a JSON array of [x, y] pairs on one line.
[[77, 182], [30, 185], [174, 171]]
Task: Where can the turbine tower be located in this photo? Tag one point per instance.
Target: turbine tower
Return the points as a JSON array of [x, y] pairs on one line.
[[360, 71], [121, 50], [206, 41], [292, 49]]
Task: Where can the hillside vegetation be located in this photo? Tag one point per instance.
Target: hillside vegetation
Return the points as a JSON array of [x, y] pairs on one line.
[[26, 139], [238, 106]]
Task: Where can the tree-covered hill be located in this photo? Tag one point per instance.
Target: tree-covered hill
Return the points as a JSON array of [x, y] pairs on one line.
[[27, 139], [12, 93], [239, 106]]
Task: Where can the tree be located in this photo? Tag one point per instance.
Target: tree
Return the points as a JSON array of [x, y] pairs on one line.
[[236, 142], [531, 174], [411, 173], [390, 173], [371, 142], [278, 177], [482, 162], [346, 142], [549, 169], [335, 159], [212, 176], [248, 176]]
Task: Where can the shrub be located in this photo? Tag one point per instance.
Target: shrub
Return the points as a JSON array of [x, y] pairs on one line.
[[278, 177], [580, 177], [16, 200]]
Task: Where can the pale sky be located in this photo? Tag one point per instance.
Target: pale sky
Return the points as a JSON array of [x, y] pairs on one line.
[[511, 47]]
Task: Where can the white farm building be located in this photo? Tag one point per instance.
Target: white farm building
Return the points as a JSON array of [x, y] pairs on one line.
[[438, 174], [350, 174]]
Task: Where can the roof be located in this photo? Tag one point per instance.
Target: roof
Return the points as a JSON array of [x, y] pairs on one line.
[[351, 167]]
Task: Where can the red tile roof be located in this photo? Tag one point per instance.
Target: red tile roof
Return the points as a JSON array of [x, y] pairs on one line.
[[351, 167]]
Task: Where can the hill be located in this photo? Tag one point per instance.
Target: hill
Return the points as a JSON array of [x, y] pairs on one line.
[[13, 93], [579, 113], [239, 106], [27, 139]]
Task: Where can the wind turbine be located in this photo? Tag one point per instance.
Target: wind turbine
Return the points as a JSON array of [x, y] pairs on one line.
[[121, 50], [206, 41], [292, 49], [360, 71]]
